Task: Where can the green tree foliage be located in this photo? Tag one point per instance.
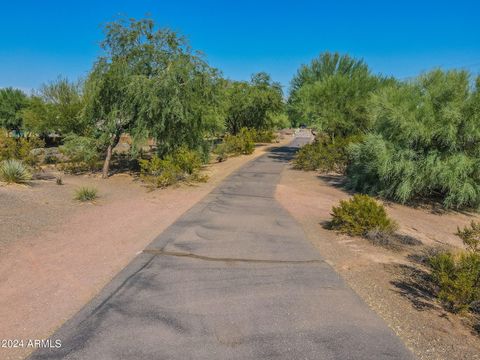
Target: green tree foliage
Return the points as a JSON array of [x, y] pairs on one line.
[[255, 104], [56, 108], [150, 83], [425, 142], [12, 102], [331, 94]]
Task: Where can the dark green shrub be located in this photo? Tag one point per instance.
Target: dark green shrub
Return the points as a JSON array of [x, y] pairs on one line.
[[425, 142], [359, 215], [14, 171], [325, 154], [458, 279], [86, 193]]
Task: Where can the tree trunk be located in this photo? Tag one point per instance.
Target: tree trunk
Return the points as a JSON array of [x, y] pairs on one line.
[[108, 157], [106, 163]]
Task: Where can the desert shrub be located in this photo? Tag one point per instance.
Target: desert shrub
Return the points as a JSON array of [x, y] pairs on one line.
[[14, 171], [221, 152], [263, 136], [471, 236], [159, 173], [457, 275], [19, 148], [242, 143], [359, 215], [458, 279], [184, 164], [425, 142], [188, 161], [82, 153], [325, 154], [86, 193]]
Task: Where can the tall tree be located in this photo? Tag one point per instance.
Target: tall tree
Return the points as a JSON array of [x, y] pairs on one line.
[[12, 103], [150, 83], [331, 94], [252, 104], [56, 108]]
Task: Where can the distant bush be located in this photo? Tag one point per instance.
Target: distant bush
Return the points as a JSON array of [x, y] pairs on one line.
[[184, 164], [263, 136], [425, 142], [14, 171], [360, 215], [242, 143], [82, 153], [86, 194], [457, 276], [19, 148], [325, 154]]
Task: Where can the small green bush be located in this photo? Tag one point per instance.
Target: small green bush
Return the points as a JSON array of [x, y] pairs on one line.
[[325, 154], [221, 152], [457, 276], [159, 173], [188, 161], [82, 153], [86, 193], [263, 136], [19, 148], [471, 236], [242, 143], [359, 215], [184, 164], [458, 279], [14, 171]]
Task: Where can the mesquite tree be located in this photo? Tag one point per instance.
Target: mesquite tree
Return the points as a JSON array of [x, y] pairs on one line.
[[149, 83]]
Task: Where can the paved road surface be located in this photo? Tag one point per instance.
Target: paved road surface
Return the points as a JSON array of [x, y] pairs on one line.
[[233, 278]]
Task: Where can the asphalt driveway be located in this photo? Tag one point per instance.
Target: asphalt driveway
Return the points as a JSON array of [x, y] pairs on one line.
[[233, 278]]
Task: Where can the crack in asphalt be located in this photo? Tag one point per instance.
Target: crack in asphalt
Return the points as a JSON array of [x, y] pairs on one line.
[[227, 259]]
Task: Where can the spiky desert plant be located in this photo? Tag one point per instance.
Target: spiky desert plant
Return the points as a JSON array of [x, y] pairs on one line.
[[14, 171]]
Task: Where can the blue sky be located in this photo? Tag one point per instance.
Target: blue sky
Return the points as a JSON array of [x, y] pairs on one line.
[[40, 40]]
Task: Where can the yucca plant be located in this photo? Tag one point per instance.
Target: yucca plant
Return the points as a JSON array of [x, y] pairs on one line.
[[14, 171], [86, 193]]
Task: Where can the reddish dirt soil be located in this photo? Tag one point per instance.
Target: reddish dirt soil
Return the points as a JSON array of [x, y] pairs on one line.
[[390, 281], [56, 253]]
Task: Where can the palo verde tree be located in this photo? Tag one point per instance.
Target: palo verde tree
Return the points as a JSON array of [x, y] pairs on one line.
[[56, 108], [331, 94], [150, 83], [252, 104], [12, 104]]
